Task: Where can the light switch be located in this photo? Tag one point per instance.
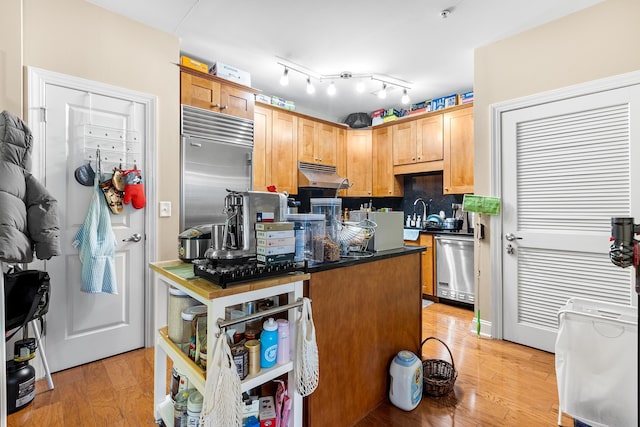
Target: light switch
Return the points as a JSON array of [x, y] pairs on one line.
[[165, 209]]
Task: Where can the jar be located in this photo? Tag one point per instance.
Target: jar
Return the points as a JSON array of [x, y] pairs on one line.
[[178, 301], [194, 407], [253, 346], [405, 390], [189, 318], [283, 341], [268, 343]]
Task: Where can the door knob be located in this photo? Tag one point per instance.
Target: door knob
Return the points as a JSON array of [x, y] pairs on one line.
[[133, 238], [511, 237]]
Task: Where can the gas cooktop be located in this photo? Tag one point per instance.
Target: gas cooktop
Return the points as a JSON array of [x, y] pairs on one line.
[[224, 274]]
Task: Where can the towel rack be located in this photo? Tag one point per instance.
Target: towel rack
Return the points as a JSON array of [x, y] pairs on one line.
[[224, 323]]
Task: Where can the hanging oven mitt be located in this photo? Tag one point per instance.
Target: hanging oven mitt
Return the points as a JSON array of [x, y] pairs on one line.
[[134, 189], [112, 195]]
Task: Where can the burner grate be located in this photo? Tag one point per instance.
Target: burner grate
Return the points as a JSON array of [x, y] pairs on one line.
[[234, 274]]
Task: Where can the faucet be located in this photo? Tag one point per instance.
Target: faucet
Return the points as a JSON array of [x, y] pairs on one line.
[[424, 212]]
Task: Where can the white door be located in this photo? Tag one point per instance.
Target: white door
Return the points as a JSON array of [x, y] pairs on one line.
[[84, 327], [567, 169]]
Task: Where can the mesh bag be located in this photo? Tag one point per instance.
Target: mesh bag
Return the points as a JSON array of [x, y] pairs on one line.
[[222, 406], [307, 366]]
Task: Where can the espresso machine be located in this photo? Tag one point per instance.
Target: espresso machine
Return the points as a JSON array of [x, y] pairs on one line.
[[233, 259]]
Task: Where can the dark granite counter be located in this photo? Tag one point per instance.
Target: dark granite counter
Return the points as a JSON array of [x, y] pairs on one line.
[[377, 256]]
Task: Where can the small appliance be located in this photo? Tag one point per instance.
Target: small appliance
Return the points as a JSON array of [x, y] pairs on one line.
[[194, 242]]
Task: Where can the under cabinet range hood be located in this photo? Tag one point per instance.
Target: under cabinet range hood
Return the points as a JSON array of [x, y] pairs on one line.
[[312, 175]]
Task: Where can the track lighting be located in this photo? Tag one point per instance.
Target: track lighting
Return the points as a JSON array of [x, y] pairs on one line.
[[405, 97], [310, 88], [386, 81], [284, 80], [331, 90]]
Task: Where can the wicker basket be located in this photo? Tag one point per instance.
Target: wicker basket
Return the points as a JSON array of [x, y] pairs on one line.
[[438, 375]]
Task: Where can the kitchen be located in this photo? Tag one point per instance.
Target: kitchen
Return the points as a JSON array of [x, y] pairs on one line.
[[543, 64]]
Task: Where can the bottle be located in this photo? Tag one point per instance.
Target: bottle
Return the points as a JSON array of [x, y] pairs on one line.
[[254, 356], [180, 410], [269, 343], [408, 223], [405, 390], [283, 341], [419, 222]]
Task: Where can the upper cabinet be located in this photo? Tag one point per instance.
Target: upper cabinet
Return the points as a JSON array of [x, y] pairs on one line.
[[385, 183], [284, 152], [417, 145], [359, 163], [317, 142], [404, 143], [458, 151], [212, 93], [262, 124]]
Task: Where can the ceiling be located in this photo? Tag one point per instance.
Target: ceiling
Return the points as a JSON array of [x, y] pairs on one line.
[[407, 41]]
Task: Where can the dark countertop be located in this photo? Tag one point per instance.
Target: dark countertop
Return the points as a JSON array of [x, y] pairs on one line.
[[437, 231], [377, 256]]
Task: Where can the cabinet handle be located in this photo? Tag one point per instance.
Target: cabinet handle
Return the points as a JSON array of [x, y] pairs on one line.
[[215, 105], [413, 158], [224, 108], [419, 157]]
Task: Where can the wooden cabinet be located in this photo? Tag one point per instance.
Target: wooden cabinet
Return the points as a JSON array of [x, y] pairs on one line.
[[359, 163], [404, 143], [283, 156], [385, 183], [429, 139], [209, 92], [317, 142], [417, 145], [427, 271], [458, 151], [341, 156]]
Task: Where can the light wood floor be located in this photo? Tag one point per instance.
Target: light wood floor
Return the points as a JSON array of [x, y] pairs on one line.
[[499, 384]]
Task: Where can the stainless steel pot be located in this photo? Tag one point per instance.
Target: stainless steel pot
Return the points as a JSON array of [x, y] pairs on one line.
[[194, 242], [452, 224]]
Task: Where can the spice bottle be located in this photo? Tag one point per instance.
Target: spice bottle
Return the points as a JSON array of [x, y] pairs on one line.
[[269, 343], [283, 341], [180, 410]]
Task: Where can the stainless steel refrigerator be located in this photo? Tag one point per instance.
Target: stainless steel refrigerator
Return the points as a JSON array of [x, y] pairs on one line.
[[216, 155]]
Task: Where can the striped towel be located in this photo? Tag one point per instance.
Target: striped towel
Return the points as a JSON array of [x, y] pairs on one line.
[[96, 245]]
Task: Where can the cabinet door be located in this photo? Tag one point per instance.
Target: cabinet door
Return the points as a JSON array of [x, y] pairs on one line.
[[359, 165], [262, 123], [326, 144], [385, 184], [427, 264], [284, 152], [429, 139], [306, 141], [341, 156], [404, 143], [458, 152], [199, 92], [236, 102]]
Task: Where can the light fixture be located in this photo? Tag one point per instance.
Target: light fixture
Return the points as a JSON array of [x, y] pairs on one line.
[[383, 92], [284, 80], [387, 82], [405, 97], [331, 90], [310, 88]]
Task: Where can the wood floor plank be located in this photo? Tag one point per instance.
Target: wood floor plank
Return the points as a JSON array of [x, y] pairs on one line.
[[499, 384]]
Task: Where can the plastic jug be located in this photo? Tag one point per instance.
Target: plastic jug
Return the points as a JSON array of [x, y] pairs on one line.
[[405, 390]]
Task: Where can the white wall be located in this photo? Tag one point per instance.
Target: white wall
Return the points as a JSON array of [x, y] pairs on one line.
[[594, 43]]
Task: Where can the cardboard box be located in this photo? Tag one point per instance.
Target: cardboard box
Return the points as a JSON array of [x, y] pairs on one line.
[[377, 113], [278, 102], [267, 412], [437, 104], [387, 119], [265, 99], [450, 101], [376, 120], [192, 63], [228, 72]]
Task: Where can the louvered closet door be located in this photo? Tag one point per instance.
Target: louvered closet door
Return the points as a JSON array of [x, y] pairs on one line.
[[567, 169]]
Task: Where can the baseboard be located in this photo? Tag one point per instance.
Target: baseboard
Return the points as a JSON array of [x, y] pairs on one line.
[[485, 327]]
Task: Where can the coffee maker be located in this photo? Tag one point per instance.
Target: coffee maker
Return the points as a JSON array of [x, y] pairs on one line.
[[243, 209]]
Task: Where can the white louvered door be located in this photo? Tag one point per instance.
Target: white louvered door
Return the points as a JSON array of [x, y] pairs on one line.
[[567, 169]]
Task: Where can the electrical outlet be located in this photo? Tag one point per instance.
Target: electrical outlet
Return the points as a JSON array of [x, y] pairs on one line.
[[165, 209]]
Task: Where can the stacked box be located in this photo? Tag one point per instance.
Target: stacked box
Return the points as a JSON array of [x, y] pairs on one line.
[[265, 99], [275, 242], [450, 101], [376, 116], [465, 98], [278, 102], [233, 74], [192, 63], [420, 107], [267, 412]]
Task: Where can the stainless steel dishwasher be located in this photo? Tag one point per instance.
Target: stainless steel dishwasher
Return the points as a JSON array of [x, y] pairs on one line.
[[454, 268]]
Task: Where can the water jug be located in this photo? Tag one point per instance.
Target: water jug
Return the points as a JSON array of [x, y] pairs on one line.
[[405, 390]]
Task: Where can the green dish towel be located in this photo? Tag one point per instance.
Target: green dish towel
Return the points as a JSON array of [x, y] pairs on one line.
[[184, 271], [481, 204]]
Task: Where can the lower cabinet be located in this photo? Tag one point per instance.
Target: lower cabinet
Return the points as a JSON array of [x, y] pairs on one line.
[[217, 300], [428, 263]]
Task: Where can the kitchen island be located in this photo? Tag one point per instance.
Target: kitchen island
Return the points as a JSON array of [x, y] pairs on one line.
[[365, 311]]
